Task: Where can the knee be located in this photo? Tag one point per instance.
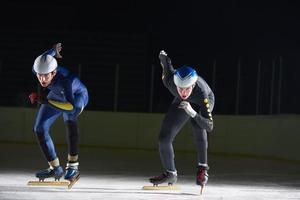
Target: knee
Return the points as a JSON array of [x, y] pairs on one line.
[[164, 140], [202, 142], [73, 115], [167, 134], [37, 129], [42, 136], [40, 128]]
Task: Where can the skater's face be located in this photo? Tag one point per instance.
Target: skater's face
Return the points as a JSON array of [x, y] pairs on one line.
[[185, 92], [45, 79]]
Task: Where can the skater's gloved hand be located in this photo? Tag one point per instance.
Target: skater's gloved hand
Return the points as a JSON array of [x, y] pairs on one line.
[[37, 98], [188, 108], [57, 47], [163, 57], [162, 54]]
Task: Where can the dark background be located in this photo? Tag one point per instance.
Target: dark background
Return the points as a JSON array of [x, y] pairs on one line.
[[247, 51]]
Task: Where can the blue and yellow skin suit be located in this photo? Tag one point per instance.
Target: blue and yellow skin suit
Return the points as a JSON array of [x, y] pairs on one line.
[[67, 96]]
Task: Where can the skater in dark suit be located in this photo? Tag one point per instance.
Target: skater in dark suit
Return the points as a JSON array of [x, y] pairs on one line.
[[194, 102]]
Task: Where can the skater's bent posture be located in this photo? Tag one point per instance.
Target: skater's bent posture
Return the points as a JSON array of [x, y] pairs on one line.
[[194, 101], [67, 97]]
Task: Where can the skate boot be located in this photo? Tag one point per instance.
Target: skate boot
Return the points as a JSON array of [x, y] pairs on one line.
[[56, 172], [168, 177], [72, 174], [202, 175], [71, 170]]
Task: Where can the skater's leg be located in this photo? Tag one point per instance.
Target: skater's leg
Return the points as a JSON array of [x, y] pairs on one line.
[[72, 130], [70, 120], [73, 137], [202, 145], [171, 125], [45, 118], [200, 136]]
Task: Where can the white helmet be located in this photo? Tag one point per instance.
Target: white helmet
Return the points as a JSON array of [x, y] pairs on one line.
[[44, 64], [185, 77]]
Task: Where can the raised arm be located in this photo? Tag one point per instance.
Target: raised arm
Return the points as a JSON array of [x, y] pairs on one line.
[[168, 70], [55, 51]]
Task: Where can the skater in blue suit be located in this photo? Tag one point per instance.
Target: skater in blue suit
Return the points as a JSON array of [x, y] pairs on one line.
[[67, 96]]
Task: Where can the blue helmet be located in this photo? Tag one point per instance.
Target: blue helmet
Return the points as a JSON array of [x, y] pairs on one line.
[[185, 76]]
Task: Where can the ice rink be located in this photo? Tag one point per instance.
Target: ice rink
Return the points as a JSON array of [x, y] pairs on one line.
[[121, 174]]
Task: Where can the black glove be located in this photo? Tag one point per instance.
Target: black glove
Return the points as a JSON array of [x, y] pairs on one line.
[[162, 54]]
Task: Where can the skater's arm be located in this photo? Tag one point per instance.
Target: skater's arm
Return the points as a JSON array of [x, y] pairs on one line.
[[204, 116], [66, 105], [203, 122], [168, 70], [50, 52], [42, 99], [54, 51], [203, 119], [61, 105], [68, 92]]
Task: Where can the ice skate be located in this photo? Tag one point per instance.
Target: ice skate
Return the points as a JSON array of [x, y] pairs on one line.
[[72, 174], [202, 177], [169, 177], [55, 172], [166, 177]]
